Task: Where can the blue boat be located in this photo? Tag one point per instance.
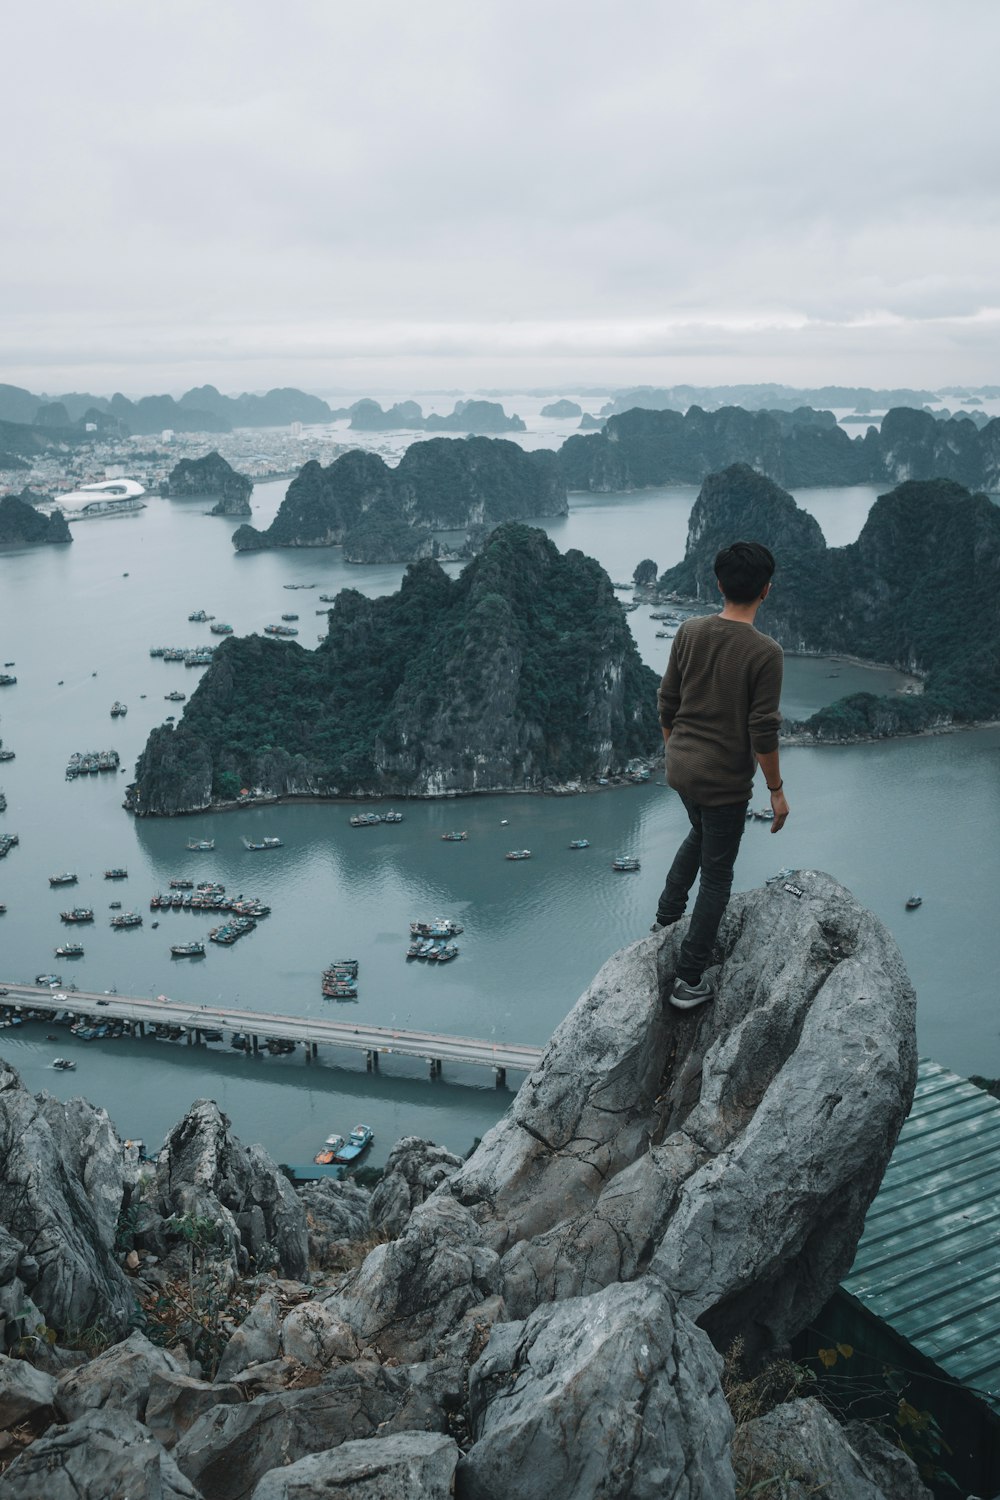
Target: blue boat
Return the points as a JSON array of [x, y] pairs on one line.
[[357, 1142]]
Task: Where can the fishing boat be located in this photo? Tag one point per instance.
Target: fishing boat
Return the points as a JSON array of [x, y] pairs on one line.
[[201, 844], [289, 617], [392, 817], [344, 965], [78, 914], [64, 1064], [175, 697], [579, 843], [69, 950], [119, 872], [358, 1141], [52, 981], [263, 844], [518, 854], [219, 628], [445, 953], [327, 1154], [182, 885], [625, 862], [187, 950], [199, 616], [912, 902], [454, 838], [127, 919], [118, 710], [66, 878], [437, 927]]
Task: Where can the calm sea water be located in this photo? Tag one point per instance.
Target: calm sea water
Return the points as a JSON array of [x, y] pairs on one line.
[[78, 622]]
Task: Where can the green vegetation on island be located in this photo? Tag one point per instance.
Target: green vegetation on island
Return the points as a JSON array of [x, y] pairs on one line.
[[522, 669], [442, 484], [211, 475], [917, 591], [21, 524]]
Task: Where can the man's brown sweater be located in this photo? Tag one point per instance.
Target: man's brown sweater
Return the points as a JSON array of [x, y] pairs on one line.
[[719, 699]]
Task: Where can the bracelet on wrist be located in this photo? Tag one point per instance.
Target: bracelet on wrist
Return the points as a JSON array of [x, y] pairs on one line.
[[775, 788]]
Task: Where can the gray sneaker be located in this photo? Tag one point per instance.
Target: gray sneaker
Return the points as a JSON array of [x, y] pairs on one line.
[[688, 996]]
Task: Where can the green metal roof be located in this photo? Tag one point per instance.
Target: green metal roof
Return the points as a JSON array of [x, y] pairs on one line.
[[929, 1260]]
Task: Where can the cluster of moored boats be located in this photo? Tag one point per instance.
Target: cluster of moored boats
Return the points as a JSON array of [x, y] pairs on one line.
[[7, 843], [281, 629], [208, 896], [90, 762], [372, 819], [340, 979], [432, 940], [336, 1151], [197, 656]]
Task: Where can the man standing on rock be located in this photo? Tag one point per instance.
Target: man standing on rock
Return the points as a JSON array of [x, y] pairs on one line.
[[718, 704]]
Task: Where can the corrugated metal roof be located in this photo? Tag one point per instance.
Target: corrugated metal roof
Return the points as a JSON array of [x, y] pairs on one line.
[[929, 1260]]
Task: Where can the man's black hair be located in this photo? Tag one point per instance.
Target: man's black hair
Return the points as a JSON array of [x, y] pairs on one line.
[[743, 569]]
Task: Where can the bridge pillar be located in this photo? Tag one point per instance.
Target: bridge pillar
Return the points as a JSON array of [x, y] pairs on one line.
[[435, 1063], [142, 1028], [256, 1044], [501, 1075], [314, 1049], [193, 1036], [371, 1060]]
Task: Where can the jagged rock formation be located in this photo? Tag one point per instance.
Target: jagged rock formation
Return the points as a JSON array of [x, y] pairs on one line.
[[21, 524], [562, 408], [468, 417], [641, 448], [211, 475], [387, 515], [663, 1183], [521, 669], [926, 565]]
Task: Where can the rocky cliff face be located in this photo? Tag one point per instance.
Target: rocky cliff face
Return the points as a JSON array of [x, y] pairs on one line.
[[443, 484], [926, 564], [21, 524], [211, 475], [521, 669], [545, 1319], [640, 448]]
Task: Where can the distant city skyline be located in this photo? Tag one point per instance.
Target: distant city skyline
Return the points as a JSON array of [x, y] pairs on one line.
[[393, 199]]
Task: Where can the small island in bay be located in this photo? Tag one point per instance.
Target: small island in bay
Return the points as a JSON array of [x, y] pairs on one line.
[[475, 417], [379, 514], [562, 408], [22, 525], [521, 670], [211, 475], [916, 591]]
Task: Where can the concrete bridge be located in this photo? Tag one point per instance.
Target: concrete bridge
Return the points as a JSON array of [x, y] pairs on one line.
[[137, 1013]]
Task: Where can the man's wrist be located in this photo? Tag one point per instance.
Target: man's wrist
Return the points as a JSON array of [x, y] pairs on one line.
[[776, 788]]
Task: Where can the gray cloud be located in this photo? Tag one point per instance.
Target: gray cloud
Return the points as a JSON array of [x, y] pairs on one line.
[[394, 195]]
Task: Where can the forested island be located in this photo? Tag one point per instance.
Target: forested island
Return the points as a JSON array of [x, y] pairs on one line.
[[379, 514], [522, 669], [211, 475], [917, 590], [643, 448], [21, 524], [476, 417]]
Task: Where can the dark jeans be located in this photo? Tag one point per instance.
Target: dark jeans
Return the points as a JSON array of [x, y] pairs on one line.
[[711, 849]]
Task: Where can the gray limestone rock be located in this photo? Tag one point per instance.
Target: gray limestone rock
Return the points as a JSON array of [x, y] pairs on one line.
[[314, 1337], [894, 1472], [175, 1402], [336, 1212], [46, 1210], [733, 1150], [406, 1466], [413, 1170], [118, 1378], [23, 1389], [616, 1394], [804, 1452], [101, 1455], [95, 1152], [258, 1338], [409, 1294], [205, 1170], [229, 1449]]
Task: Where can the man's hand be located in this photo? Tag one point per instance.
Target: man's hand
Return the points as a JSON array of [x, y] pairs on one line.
[[779, 807]]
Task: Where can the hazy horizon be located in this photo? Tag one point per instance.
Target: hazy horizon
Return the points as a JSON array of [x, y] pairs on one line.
[[503, 196]]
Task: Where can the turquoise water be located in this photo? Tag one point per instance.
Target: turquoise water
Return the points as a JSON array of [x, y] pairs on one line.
[[883, 819]]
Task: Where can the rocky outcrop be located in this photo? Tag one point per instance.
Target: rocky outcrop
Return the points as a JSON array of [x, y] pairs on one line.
[[438, 485], [548, 1317], [863, 600], [467, 417], [211, 475], [800, 1447], [562, 409], [204, 1171], [520, 670], [22, 525]]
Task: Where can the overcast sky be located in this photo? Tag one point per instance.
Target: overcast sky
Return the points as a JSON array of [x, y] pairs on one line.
[[397, 196]]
